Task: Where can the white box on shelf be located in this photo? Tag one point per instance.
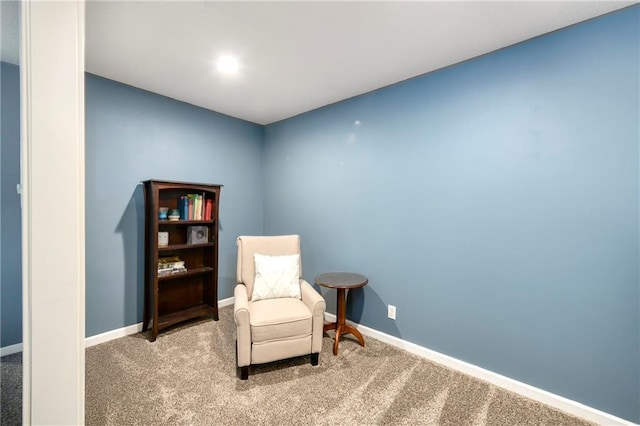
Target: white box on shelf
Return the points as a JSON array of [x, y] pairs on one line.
[[163, 239]]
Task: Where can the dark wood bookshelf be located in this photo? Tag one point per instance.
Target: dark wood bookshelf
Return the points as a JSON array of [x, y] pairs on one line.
[[179, 296]]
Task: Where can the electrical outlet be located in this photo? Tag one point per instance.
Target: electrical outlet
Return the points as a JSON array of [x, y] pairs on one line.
[[391, 312]]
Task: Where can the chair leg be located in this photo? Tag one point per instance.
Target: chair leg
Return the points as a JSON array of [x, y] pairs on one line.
[[315, 358], [244, 372]]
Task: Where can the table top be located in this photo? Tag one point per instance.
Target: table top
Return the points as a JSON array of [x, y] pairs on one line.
[[345, 280]]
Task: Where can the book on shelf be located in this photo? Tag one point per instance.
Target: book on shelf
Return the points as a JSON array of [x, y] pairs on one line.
[[165, 272], [183, 207], [208, 208], [198, 206]]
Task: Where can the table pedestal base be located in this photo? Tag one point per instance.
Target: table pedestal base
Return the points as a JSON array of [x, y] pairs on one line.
[[340, 326], [342, 329]]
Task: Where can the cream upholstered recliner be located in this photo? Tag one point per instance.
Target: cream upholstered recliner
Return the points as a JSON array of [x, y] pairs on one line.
[[274, 328]]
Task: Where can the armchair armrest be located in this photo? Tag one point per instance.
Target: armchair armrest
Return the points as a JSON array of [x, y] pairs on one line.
[[243, 327], [317, 305], [310, 297]]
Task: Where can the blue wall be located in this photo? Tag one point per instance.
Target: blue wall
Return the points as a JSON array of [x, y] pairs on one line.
[[495, 203], [131, 136], [10, 220]]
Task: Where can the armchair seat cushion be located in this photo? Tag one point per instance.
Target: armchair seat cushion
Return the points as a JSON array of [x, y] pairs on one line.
[[277, 319]]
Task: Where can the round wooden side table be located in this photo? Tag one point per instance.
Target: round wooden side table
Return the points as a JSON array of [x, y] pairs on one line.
[[341, 281]]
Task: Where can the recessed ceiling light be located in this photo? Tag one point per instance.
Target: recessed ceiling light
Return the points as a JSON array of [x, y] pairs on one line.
[[228, 65]]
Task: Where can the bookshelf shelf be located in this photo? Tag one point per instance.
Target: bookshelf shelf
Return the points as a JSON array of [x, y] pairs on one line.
[[185, 314], [190, 288], [194, 271], [185, 247], [184, 222]]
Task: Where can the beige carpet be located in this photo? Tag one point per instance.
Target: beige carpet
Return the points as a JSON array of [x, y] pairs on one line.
[[188, 376], [11, 390]]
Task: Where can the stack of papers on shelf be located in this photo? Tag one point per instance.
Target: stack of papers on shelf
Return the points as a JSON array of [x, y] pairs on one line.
[[170, 265]]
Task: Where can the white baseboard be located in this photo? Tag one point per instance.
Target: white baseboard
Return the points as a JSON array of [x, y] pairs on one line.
[[561, 403], [133, 329], [112, 335], [10, 350], [225, 302]]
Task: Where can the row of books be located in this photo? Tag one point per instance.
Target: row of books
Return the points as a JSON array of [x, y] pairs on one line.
[[195, 207], [170, 265]]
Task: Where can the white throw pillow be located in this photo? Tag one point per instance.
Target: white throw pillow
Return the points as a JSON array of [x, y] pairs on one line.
[[276, 276]]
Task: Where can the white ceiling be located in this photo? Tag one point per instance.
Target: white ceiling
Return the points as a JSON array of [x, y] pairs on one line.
[[298, 56]]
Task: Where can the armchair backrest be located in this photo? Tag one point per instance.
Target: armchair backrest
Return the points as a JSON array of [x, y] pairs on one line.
[[271, 246]]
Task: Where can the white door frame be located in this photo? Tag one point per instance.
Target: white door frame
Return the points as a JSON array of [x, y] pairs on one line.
[[53, 233]]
